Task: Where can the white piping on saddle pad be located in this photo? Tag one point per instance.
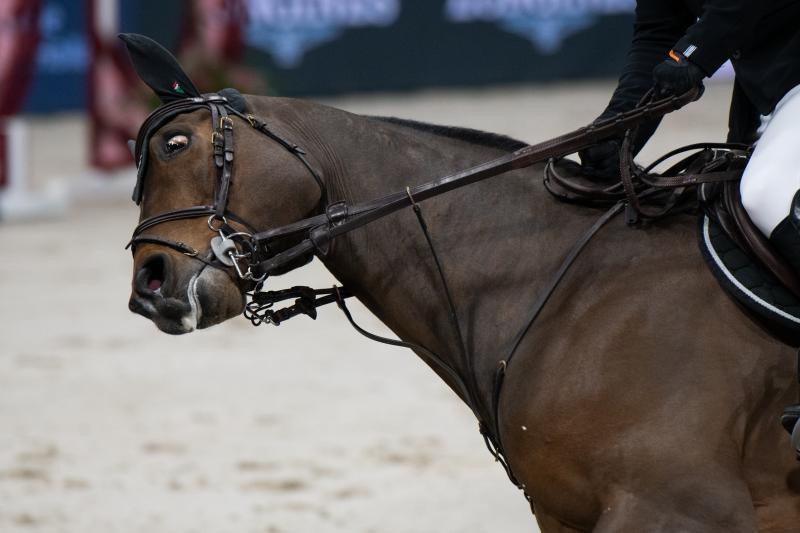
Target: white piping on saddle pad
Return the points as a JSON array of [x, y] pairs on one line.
[[732, 279]]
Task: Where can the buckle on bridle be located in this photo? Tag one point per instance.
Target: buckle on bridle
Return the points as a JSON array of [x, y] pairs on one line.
[[227, 249], [336, 213]]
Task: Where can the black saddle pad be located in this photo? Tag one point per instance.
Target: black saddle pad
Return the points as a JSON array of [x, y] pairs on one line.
[[746, 280]]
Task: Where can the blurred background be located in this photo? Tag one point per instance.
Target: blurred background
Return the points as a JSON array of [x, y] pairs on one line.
[[107, 424]]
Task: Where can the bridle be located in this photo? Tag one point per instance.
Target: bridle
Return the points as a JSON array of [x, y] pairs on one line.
[[230, 247]]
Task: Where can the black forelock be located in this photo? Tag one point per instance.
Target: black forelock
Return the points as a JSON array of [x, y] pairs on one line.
[[483, 138]]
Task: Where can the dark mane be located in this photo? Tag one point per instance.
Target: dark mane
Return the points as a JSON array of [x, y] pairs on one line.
[[469, 135]]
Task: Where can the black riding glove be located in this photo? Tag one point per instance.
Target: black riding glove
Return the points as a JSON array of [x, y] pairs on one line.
[[600, 162], [676, 75]]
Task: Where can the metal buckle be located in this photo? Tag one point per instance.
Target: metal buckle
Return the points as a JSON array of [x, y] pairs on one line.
[[232, 252], [225, 123], [336, 213], [187, 250]]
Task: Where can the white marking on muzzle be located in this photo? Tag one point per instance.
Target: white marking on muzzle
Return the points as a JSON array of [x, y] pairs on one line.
[[190, 321]]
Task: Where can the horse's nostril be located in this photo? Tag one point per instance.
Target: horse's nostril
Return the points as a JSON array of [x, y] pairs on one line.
[[150, 277]]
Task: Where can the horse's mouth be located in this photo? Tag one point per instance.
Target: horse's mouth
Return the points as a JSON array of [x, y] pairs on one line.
[[206, 300], [170, 315]]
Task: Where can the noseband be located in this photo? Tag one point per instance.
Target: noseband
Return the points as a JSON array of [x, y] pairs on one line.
[[229, 247]]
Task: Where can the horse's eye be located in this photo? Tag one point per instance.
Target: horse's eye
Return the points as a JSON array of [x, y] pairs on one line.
[[176, 142]]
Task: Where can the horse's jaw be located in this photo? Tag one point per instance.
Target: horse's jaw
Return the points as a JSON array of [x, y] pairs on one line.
[[206, 299]]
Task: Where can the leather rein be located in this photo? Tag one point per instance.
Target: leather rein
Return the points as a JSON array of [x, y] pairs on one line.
[[251, 253]]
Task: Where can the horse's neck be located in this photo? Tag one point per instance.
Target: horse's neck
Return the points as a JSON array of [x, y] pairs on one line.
[[498, 240]]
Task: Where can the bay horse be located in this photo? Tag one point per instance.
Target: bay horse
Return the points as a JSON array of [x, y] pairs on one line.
[[643, 399]]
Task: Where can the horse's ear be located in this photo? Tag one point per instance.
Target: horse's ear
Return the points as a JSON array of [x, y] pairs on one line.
[[235, 99], [158, 68]]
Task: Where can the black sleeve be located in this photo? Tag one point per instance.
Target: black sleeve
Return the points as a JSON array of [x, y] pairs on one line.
[[658, 25], [724, 27]]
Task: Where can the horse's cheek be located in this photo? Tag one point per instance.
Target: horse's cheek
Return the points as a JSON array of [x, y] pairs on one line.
[[219, 298]]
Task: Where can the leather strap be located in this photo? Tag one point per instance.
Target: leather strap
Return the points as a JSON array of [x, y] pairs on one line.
[[185, 213], [362, 214], [294, 149], [224, 160], [154, 239]]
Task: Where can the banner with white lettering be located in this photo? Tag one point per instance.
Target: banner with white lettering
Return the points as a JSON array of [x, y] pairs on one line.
[[317, 47], [307, 47], [545, 23]]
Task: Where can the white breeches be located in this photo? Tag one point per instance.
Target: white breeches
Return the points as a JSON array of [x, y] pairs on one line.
[[772, 176]]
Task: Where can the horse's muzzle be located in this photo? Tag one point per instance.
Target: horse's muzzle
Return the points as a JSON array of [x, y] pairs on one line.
[[180, 294], [155, 296]]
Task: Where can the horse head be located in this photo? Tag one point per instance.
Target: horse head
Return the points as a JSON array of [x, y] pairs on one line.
[[205, 171]]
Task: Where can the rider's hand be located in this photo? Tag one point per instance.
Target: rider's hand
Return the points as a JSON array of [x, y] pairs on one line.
[[600, 162], [676, 75]]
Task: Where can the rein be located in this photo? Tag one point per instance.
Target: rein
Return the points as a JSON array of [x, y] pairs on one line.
[[250, 254], [340, 218]]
